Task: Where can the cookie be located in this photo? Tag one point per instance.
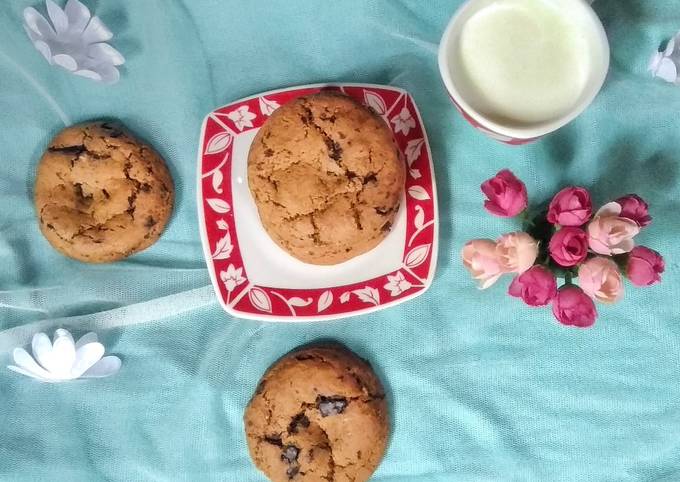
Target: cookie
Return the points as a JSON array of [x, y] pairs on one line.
[[327, 178], [319, 414], [101, 195]]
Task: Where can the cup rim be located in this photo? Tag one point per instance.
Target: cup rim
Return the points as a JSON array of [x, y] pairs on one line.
[[534, 131]]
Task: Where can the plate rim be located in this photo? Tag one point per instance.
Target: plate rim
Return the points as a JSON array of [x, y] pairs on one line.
[[267, 317]]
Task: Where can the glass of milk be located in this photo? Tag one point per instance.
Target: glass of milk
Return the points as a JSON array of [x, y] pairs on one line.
[[519, 69]]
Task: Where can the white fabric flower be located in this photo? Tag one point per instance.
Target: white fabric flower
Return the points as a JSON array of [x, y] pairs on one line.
[[403, 122], [232, 277], [665, 65], [242, 117], [63, 359], [397, 284], [75, 41]]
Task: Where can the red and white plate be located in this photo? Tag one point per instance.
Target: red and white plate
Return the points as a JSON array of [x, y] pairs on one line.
[[253, 277]]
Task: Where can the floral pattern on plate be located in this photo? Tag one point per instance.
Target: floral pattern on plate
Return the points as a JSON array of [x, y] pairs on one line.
[[242, 298]]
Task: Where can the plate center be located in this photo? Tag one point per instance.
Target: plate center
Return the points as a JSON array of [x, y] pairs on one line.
[[266, 264]]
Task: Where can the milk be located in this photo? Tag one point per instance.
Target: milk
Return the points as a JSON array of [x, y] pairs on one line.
[[523, 61]]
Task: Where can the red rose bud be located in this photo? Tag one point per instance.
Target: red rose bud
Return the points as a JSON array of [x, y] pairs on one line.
[[536, 286], [644, 266], [572, 307], [635, 208], [506, 195], [570, 207], [569, 246]]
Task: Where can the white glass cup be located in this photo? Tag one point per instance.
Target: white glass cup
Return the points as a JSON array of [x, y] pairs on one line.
[[522, 133]]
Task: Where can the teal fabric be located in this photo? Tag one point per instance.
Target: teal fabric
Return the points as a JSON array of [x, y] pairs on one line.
[[481, 388]]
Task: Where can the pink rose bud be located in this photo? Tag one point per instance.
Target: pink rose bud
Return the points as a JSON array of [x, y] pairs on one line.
[[635, 208], [609, 233], [573, 307], [644, 266], [600, 279], [569, 246], [570, 207], [536, 286], [506, 195], [480, 259], [516, 252]]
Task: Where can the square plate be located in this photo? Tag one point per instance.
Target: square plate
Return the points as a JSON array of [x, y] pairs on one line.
[[253, 277]]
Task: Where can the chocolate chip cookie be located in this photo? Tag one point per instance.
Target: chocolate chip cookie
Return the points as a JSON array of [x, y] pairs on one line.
[[327, 178], [319, 414], [101, 195]]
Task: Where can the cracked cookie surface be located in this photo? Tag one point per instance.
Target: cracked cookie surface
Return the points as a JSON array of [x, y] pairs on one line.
[[319, 414], [327, 178], [101, 195]]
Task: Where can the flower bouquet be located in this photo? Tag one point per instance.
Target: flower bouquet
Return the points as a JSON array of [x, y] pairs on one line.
[[564, 242]]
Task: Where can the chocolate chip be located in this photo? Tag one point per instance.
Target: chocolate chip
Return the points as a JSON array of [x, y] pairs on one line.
[[105, 193], [75, 150], [268, 152], [114, 131], [292, 471], [274, 440], [370, 177], [99, 156], [299, 421], [357, 218], [131, 204], [334, 149], [290, 454], [386, 227], [146, 187], [307, 116], [329, 118], [80, 195], [304, 357], [331, 405], [150, 222]]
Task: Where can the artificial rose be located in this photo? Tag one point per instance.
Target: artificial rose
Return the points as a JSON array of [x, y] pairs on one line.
[[570, 207], [644, 266], [480, 259], [609, 233], [573, 307], [600, 279], [506, 195], [635, 208], [516, 252], [569, 246], [536, 286]]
